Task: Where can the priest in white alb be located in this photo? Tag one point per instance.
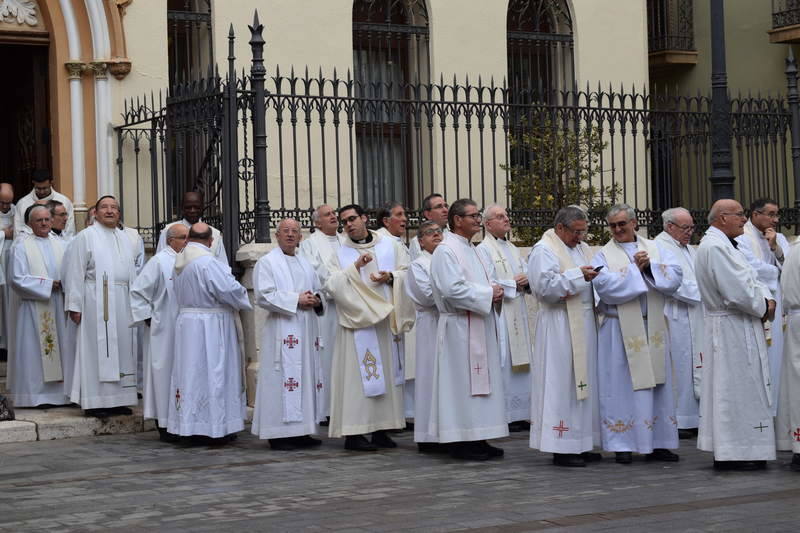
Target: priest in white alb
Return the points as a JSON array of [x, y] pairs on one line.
[[153, 304], [7, 213], [513, 328], [736, 399], [97, 275], [634, 371], [434, 208], [764, 246], [684, 313], [36, 366], [565, 411], [286, 285], [320, 250], [787, 423], [420, 290], [468, 400], [367, 377], [192, 210], [392, 225], [207, 385], [42, 192]]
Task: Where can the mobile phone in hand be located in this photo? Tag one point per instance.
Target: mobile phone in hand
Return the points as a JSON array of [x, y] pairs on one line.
[[598, 269]]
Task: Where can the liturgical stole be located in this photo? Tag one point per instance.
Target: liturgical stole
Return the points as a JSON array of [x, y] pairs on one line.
[[45, 311], [577, 326], [644, 348]]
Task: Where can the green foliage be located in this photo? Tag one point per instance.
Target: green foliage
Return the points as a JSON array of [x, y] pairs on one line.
[[561, 162]]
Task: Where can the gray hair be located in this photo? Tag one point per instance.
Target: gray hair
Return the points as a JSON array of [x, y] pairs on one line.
[[315, 214], [36, 207], [424, 226], [568, 215], [621, 208], [171, 231], [713, 213], [669, 215], [487, 211]]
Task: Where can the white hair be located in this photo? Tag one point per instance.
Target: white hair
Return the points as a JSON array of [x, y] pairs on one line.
[[669, 215], [489, 209], [621, 208]]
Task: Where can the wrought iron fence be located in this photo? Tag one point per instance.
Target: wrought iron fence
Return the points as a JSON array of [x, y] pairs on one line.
[[785, 13], [264, 146], [670, 25]]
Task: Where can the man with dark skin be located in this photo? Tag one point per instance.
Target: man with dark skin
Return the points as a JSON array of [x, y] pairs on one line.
[[192, 210]]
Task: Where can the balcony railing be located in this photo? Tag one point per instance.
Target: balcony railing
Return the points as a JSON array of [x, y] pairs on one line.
[[670, 25], [785, 13]]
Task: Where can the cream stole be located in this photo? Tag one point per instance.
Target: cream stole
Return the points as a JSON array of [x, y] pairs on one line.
[[105, 295], [45, 311], [513, 308], [577, 326], [368, 350], [480, 384], [755, 238], [644, 348]]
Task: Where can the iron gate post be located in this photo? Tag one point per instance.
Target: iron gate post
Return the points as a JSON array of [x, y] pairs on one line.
[[793, 98], [257, 77], [230, 159], [722, 178]]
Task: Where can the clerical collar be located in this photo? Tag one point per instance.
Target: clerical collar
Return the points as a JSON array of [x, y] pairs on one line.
[[365, 240], [56, 231], [733, 242]]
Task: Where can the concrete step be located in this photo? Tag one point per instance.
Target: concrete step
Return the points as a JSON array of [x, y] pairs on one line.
[[3, 366]]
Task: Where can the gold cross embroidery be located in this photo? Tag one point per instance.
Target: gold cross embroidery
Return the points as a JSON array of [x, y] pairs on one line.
[[657, 339], [635, 344]]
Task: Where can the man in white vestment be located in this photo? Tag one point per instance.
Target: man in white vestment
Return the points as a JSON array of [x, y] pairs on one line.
[[207, 386], [468, 400], [433, 208], [392, 222], [42, 191], [59, 216], [736, 398], [36, 366], [321, 250], [192, 210], [637, 410], [564, 411], [367, 375], [787, 423], [153, 304], [7, 214], [684, 313], [286, 285], [420, 290], [513, 328], [764, 246], [98, 273]]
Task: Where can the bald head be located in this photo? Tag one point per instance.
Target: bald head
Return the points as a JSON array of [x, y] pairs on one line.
[[727, 215], [201, 233], [288, 235], [6, 197]]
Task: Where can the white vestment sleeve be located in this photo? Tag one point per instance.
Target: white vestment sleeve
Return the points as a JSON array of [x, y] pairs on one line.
[[736, 287], [267, 294], [615, 288], [144, 290], [549, 283], [768, 274], [448, 279], [418, 285], [224, 287], [666, 274], [75, 272], [28, 287]]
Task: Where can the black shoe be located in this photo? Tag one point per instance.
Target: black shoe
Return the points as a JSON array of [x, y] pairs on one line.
[[97, 413], [795, 464], [624, 458], [660, 454], [120, 411], [358, 443], [591, 457], [568, 459], [519, 425], [325, 423], [283, 445], [687, 433], [468, 451], [431, 447], [166, 436], [409, 426], [382, 440], [493, 451], [306, 441], [740, 466]]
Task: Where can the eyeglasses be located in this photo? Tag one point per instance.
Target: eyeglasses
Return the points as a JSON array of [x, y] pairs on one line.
[[579, 233], [739, 214], [474, 216], [774, 214], [620, 225], [684, 228], [431, 231], [350, 219]]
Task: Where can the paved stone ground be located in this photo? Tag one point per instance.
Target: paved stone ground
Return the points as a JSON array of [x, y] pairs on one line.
[[134, 482]]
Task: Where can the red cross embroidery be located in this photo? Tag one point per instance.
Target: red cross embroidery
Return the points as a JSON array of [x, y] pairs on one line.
[[477, 369], [319, 385], [291, 384], [797, 435], [178, 399], [318, 343], [291, 341], [560, 428]]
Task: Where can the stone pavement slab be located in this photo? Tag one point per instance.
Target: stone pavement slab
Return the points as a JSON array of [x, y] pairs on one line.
[[134, 482]]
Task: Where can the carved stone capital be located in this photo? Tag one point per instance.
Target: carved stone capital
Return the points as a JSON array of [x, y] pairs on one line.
[[119, 67], [99, 69], [75, 69]]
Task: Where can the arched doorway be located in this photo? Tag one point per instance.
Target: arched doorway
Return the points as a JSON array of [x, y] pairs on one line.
[[25, 138]]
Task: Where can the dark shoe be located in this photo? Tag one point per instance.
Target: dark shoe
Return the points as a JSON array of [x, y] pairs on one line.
[[740, 466], [520, 425], [687, 433], [120, 411], [358, 443], [97, 413], [325, 423], [382, 440], [306, 441], [795, 464], [409, 426], [493, 451], [624, 458], [568, 459], [468, 451], [591, 457], [166, 436], [431, 447], [660, 454], [282, 445]]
